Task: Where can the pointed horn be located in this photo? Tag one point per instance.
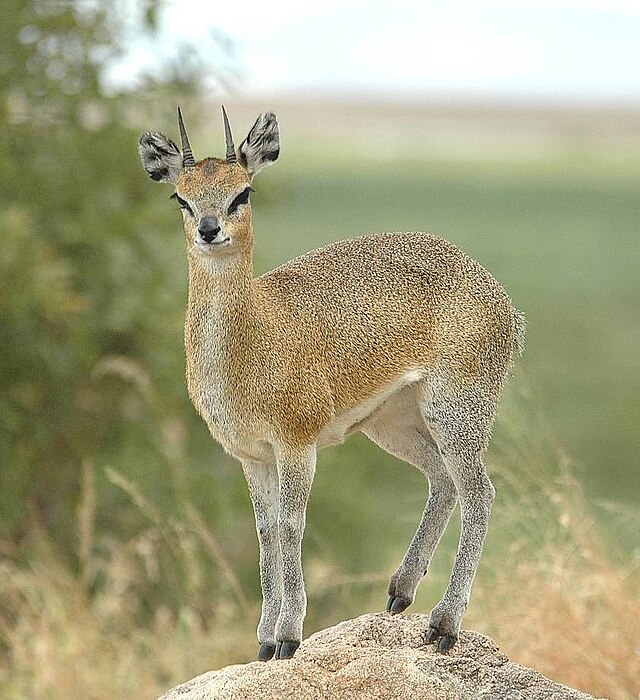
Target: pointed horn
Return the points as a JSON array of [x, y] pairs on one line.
[[231, 149], [188, 161]]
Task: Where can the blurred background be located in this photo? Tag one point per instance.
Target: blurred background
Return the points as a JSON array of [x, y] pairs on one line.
[[128, 560]]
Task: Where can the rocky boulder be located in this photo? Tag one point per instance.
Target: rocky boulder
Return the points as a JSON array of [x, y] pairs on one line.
[[379, 657]]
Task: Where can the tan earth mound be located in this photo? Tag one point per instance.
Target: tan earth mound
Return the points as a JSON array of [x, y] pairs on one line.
[[379, 657]]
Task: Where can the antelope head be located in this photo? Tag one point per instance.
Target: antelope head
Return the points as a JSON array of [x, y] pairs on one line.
[[214, 193]]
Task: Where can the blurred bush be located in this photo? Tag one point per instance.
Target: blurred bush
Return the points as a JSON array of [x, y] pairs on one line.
[[87, 277]]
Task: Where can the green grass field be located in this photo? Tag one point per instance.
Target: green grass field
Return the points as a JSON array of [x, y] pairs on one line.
[[560, 233]]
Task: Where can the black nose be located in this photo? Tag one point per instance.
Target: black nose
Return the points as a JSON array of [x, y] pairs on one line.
[[209, 228]]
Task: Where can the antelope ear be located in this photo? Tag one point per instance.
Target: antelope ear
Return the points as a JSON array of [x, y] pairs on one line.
[[160, 157], [262, 145]]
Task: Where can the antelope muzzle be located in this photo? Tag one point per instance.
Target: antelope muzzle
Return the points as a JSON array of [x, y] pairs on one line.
[[209, 230]]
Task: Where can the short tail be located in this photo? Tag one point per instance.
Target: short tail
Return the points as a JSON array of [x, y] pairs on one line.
[[520, 328]]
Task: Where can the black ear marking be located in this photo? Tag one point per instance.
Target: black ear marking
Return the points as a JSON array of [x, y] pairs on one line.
[[262, 145], [273, 155], [159, 174], [160, 157]]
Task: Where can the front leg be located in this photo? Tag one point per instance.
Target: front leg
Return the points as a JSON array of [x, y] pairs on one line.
[[296, 469], [262, 480]]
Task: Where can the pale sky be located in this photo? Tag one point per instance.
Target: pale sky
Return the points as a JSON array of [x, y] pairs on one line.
[[557, 49]]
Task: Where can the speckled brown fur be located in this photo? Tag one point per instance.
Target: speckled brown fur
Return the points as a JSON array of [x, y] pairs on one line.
[[400, 335]]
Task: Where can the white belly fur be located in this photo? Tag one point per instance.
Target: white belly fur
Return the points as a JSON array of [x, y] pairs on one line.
[[343, 425]]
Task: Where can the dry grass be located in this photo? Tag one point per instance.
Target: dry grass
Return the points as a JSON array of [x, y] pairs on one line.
[[66, 635], [570, 609], [565, 603], [574, 617], [566, 598]]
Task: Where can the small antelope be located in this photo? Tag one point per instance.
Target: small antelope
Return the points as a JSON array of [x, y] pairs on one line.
[[398, 335]]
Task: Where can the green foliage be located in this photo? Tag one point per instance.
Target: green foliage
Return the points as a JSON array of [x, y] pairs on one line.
[[87, 273]]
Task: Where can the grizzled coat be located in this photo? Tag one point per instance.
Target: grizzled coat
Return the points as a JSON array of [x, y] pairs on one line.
[[399, 335]]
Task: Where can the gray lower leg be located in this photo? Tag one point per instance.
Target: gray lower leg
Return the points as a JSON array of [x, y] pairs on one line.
[[400, 430], [296, 471], [262, 480], [414, 565], [476, 495]]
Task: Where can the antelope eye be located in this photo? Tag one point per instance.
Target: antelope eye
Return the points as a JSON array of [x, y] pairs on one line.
[[240, 199], [182, 202]]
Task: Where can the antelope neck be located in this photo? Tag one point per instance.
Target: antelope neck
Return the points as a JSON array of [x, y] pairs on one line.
[[220, 281], [221, 309]]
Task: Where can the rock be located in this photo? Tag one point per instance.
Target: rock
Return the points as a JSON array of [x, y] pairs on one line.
[[378, 656]]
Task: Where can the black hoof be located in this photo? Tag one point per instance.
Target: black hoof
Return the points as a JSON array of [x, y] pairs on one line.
[[286, 649], [396, 604], [431, 635], [446, 643], [266, 651]]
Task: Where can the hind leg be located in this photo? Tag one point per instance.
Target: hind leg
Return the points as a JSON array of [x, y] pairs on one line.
[[436, 514], [399, 429], [461, 427]]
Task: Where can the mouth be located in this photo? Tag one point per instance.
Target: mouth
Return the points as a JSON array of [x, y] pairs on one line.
[[217, 242]]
